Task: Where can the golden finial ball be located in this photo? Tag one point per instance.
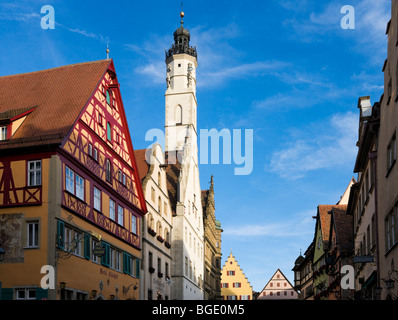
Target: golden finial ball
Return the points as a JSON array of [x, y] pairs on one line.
[[182, 14]]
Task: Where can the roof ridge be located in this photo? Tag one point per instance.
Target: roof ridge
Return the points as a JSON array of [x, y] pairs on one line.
[[55, 68]]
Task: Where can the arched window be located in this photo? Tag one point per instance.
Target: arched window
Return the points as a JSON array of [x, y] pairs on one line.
[[178, 114], [109, 131], [159, 179]]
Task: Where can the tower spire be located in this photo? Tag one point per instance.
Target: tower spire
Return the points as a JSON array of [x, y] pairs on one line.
[[182, 14], [107, 51]]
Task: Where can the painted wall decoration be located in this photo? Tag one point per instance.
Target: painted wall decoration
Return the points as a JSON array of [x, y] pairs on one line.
[[11, 226]]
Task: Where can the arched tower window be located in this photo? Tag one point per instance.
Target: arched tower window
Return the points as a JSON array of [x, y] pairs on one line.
[[178, 114]]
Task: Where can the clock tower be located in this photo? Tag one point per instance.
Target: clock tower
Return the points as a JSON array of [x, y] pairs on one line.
[[187, 248], [180, 96]]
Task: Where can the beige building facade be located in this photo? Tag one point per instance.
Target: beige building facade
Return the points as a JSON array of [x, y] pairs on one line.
[[156, 227], [234, 283], [387, 169], [278, 288], [362, 202], [212, 242]]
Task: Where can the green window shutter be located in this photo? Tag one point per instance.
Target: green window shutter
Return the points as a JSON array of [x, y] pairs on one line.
[[137, 268], [87, 241], [41, 294], [7, 294], [60, 234], [127, 263], [105, 258]]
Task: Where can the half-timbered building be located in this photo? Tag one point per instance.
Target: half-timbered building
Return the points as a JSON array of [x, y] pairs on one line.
[[70, 193]]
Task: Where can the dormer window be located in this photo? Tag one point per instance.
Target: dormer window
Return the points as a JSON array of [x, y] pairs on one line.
[[3, 133]]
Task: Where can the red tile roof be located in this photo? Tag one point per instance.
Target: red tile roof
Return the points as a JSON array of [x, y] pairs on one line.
[[142, 165], [344, 229], [325, 218], [59, 94]]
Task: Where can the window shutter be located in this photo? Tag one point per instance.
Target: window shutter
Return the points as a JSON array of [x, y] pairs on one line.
[[41, 294], [126, 263], [87, 240], [105, 257], [137, 270], [7, 293], [60, 234]]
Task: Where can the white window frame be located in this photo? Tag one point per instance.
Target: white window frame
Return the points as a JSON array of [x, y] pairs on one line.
[[133, 224], [97, 199], [69, 180], [26, 292], [3, 133], [79, 186], [120, 215], [112, 208], [36, 173], [33, 233]]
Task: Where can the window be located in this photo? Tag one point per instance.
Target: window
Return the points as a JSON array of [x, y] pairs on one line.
[[72, 241], [391, 228], [94, 258], [186, 266], [108, 170], [115, 257], [133, 224], [108, 97], [236, 284], [224, 285], [230, 273], [69, 180], [178, 115], [100, 119], [232, 297], [245, 297], [97, 199], [391, 153], [74, 183], [111, 209], [109, 132], [33, 234], [3, 133], [34, 173], [120, 215], [95, 154], [120, 176], [90, 149], [389, 89], [79, 187], [124, 178], [25, 294]]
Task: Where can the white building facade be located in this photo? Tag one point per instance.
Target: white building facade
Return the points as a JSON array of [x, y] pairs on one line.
[[157, 226]]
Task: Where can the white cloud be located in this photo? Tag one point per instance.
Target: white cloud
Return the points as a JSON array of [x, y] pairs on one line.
[[324, 146], [299, 224], [219, 61]]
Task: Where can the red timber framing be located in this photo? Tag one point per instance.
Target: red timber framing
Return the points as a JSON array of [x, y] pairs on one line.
[[87, 149], [14, 193]]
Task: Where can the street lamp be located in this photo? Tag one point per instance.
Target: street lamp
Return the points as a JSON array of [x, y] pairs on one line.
[[2, 254]]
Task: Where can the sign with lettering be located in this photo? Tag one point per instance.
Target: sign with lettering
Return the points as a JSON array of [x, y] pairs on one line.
[[99, 250], [363, 259]]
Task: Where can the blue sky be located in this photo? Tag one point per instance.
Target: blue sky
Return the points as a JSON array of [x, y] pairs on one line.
[[286, 70]]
